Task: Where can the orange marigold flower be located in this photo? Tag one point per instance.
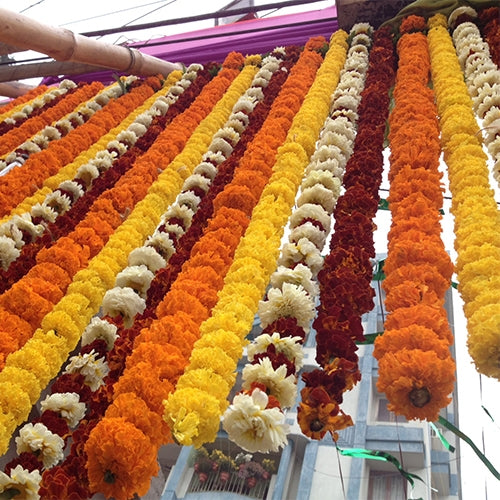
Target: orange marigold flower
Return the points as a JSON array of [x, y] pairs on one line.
[[417, 383], [412, 23], [121, 459]]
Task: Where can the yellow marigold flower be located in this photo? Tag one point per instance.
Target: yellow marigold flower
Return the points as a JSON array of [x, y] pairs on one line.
[[30, 383], [216, 359], [14, 399], [230, 342], [438, 21], [253, 60], [484, 339], [62, 324], [209, 382], [193, 415]]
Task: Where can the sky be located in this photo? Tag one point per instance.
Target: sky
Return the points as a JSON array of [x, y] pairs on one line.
[[474, 391]]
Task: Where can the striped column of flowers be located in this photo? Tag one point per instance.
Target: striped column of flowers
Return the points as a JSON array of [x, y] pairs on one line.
[[20, 113], [147, 378], [477, 240], [416, 370], [490, 28], [193, 411], [482, 77], [71, 474], [345, 278], [42, 356], [61, 191], [18, 103], [21, 182], [275, 357], [43, 122]]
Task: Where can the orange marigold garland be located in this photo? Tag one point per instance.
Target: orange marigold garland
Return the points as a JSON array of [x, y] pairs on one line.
[[415, 367]]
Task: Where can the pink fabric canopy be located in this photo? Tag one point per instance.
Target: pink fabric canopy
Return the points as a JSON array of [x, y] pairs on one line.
[[255, 36]]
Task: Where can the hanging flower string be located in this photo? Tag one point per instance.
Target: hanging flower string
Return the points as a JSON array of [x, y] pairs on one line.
[[145, 262], [21, 182], [474, 208], [344, 280], [66, 103], [275, 356], [35, 107], [193, 411], [416, 370], [75, 181], [45, 352], [482, 77], [33, 98]]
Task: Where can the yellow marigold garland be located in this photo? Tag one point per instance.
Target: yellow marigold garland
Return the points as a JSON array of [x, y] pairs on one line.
[[473, 204]]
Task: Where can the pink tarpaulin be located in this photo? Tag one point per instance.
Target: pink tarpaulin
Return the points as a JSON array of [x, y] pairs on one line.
[[255, 36]]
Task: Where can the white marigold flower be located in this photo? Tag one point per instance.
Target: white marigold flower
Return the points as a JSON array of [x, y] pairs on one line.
[[138, 129], [236, 123], [221, 145], [58, 202], [136, 277], [341, 126], [206, 169], [73, 187], [318, 195], [291, 347], [19, 115], [144, 119], [24, 223], [242, 117], [311, 211], [303, 250], [299, 275], [67, 84], [279, 385], [104, 159], [67, 404], [30, 147], [255, 93], [178, 211], [92, 368], [147, 256], [37, 438], [311, 232], [323, 177], [215, 156], [160, 106], [8, 252], [289, 301], [117, 146], [123, 302], [196, 181], [75, 117], [51, 133], [260, 81], [245, 104], [44, 211], [100, 329], [23, 481], [265, 72], [41, 141], [253, 427], [12, 232], [127, 137], [87, 173], [162, 243], [86, 112], [460, 11], [190, 75], [102, 99]]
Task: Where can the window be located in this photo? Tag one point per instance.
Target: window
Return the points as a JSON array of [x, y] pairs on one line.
[[386, 415], [386, 485]]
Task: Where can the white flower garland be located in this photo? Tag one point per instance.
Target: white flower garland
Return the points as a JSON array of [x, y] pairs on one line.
[[482, 77]]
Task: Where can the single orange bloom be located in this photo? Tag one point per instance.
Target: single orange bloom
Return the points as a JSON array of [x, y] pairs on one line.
[[412, 23], [121, 459]]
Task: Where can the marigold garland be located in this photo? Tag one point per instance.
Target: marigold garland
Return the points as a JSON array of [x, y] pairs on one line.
[[473, 206]]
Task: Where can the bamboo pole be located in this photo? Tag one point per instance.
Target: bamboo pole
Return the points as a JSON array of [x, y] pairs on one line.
[[64, 45]]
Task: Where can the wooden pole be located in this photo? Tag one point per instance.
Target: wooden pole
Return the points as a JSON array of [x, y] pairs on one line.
[[64, 45]]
